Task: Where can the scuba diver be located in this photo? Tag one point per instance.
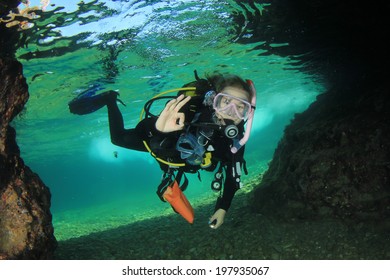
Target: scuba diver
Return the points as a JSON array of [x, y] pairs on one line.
[[204, 127]]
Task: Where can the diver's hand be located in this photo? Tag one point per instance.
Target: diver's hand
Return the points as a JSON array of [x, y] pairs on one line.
[[216, 220], [170, 118]]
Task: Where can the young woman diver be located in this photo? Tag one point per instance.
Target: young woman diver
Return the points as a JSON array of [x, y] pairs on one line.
[[205, 131]]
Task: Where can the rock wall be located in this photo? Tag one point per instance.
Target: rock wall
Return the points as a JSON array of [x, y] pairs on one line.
[[334, 159], [26, 230]]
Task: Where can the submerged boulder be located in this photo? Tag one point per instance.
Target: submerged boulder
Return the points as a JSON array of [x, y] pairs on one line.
[[26, 230]]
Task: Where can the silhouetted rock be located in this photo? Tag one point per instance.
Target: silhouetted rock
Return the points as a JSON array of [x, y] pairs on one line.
[[26, 230]]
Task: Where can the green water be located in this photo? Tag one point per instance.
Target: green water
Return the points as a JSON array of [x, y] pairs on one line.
[[140, 49]]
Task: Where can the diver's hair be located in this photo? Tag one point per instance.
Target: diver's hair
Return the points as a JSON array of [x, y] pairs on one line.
[[220, 81]]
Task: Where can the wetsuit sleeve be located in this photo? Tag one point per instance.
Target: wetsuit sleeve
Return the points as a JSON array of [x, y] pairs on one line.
[[129, 138], [230, 186], [229, 190]]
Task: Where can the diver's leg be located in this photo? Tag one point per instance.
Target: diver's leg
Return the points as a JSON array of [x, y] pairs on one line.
[[127, 138], [115, 118]]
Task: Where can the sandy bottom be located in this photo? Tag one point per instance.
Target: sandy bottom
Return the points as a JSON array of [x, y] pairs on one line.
[[244, 235]]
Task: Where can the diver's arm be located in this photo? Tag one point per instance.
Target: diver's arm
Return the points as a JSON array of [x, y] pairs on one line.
[[230, 188], [224, 202], [169, 120]]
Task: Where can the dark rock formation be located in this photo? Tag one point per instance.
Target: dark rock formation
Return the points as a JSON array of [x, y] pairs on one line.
[[26, 230], [333, 160]]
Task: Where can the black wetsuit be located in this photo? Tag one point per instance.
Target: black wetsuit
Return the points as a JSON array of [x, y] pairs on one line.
[[146, 131]]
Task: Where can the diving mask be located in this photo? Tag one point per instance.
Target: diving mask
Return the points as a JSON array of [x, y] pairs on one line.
[[231, 106]]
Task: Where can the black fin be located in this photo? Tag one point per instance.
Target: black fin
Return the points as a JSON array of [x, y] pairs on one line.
[[86, 104]]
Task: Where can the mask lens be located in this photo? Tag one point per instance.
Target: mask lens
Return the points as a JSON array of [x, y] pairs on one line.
[[232, 106]]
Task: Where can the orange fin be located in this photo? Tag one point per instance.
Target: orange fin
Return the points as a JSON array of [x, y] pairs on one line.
[[179, 202]]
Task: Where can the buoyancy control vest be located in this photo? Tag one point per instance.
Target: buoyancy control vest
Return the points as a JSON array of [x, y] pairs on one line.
[[189, 149], [198, 146]]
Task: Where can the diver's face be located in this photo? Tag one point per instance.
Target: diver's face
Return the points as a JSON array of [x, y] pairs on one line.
[[233, 104]]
